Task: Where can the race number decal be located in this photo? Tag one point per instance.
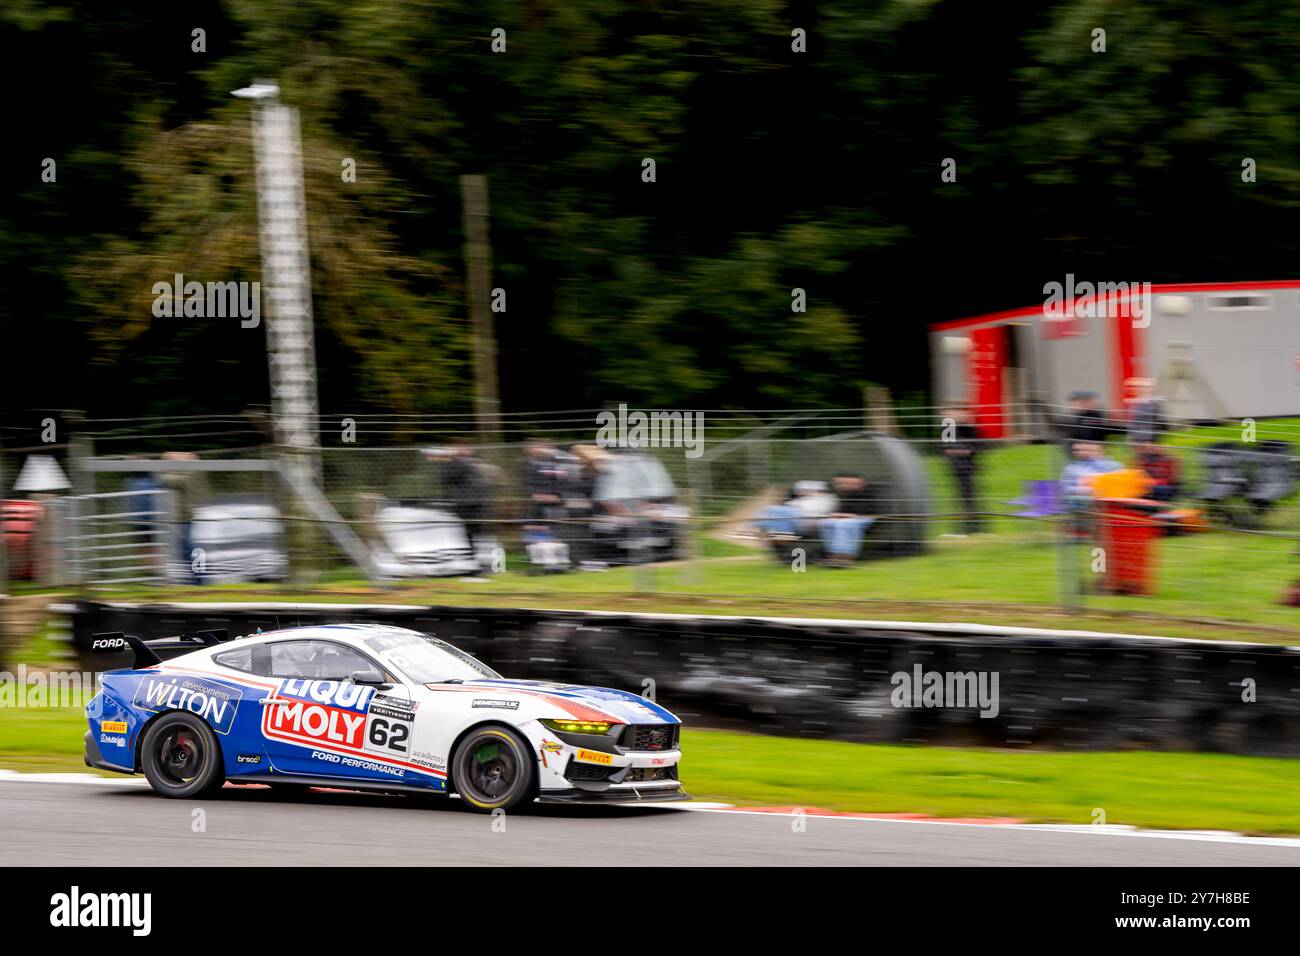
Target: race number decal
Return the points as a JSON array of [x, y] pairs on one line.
[[388, 725]]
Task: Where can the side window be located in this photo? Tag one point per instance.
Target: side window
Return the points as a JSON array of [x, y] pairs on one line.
[[240, 660], [316, 660]]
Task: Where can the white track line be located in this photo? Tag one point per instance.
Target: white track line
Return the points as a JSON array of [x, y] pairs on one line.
[[1207, 836], [14, 776], [1116, 830]]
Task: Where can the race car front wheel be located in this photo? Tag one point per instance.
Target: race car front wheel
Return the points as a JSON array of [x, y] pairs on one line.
[[493, 769], [180, 756]]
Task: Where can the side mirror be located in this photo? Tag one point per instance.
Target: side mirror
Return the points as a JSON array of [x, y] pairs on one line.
[[370, 678]]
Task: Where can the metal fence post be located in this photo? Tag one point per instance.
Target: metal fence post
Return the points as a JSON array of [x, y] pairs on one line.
[[689, 568], [4, 565], [1067, 558], [171, 541], [80, 450]]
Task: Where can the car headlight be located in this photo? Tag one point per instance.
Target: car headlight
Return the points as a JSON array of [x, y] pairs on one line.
[[566, 726]]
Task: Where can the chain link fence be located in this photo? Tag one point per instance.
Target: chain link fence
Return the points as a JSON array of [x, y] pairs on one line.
[[765, 506]]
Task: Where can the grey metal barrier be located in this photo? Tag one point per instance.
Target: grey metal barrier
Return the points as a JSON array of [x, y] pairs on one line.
[[871, 681]]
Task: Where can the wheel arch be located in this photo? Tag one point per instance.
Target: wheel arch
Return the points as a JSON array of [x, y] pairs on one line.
[[144, 730], [479, 725]]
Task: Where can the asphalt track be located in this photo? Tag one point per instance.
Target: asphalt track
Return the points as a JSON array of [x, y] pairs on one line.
[[76, 822]]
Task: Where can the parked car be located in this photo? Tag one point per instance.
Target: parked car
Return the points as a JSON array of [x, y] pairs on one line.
[[639, 515], [421, 540], [241, 538]]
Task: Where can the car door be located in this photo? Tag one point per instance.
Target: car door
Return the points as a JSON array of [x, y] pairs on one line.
[[321, 722]]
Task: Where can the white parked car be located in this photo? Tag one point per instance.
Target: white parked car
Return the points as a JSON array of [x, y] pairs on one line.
[[421, 542], [237, 539]]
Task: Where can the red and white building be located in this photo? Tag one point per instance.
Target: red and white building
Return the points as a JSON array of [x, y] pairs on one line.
[[1212, 350]]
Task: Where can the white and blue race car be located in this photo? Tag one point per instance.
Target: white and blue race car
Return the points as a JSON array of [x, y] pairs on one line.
[[372, 707]]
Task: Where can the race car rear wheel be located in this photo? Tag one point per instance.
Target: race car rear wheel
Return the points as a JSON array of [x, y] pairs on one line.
[[493, 769], [180, 756]]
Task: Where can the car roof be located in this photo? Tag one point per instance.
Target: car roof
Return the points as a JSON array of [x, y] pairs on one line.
[[354, 634]]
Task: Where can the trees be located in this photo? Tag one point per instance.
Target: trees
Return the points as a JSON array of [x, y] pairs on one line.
[[775, 170]]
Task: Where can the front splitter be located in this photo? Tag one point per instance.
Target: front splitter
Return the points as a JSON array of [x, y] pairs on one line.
[[613, 798]]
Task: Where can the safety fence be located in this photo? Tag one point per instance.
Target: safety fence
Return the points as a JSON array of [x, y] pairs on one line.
[[398, 500]]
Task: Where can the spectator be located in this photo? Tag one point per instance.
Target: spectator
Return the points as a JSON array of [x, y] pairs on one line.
[[1087, 460], [1162, 468], [189, 489], [145, 505], [1084, 422], [780, 519], [543, 477], [1146, 417], [466, 486], [544, 486], [491, 479], [809, 502], [580, 508], [855, 511], [812, 502], [959, 443]]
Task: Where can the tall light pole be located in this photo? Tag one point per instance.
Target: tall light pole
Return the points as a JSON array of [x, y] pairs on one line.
[[478, 267], [286, 276]]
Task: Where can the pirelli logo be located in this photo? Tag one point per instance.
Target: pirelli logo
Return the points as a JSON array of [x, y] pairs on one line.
[[591, 756], [113, 726]]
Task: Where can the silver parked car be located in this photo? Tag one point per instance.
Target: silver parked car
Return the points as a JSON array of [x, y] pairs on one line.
[[238, 539]]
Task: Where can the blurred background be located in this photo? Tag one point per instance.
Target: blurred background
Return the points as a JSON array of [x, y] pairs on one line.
[[776, 170]]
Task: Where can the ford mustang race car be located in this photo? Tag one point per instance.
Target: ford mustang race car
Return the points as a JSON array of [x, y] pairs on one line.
[[371, 707]]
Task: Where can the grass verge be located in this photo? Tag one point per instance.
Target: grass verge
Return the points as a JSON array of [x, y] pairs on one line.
[[1166, 790]]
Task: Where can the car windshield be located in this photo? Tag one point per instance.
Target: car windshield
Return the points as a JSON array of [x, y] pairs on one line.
[[426, 660]]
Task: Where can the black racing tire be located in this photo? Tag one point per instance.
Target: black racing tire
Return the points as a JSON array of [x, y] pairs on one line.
[[180, 756], [493, 768]]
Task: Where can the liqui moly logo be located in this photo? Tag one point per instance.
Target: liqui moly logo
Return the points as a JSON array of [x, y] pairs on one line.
[[318, 712]]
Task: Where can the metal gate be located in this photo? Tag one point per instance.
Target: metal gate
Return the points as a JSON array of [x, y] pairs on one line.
[[116, 538]]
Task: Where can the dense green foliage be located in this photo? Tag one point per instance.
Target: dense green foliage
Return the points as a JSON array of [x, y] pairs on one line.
[[775, 169]]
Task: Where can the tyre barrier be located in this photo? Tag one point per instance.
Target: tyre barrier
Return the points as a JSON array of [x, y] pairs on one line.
[[867, 681]]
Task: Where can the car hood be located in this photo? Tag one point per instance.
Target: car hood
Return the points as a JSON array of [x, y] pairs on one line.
[[623, 706]]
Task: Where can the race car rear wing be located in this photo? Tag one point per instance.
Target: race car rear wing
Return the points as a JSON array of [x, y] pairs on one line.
[[146, 652]]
